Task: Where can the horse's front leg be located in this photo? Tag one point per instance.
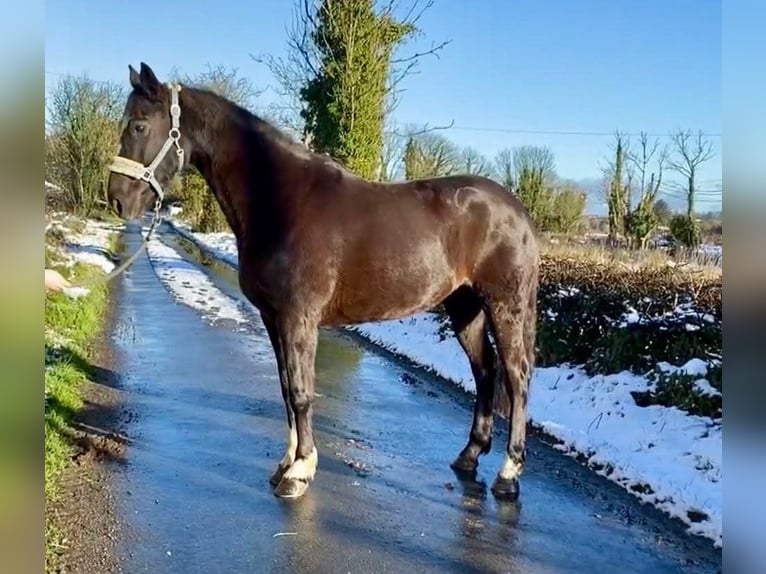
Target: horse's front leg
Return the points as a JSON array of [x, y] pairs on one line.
[[292, 434], [298, 335]]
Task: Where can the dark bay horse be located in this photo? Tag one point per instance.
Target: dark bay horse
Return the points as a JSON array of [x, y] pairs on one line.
[[320, 246]]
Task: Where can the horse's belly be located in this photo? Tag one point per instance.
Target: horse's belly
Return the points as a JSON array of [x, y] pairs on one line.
[[375, 292]]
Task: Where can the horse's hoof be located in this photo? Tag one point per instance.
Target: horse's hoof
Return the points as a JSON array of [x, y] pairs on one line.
[[464, 464], [291, 488], [506, 488], [278, 474]]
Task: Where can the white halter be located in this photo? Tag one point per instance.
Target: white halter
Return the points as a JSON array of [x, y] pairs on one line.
[[145, 173]]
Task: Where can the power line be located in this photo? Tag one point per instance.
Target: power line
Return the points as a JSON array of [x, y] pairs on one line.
[[565, 132], [584, 133]]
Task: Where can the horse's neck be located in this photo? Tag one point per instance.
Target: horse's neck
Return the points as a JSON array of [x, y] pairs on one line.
[[221, 185], [237, 180]]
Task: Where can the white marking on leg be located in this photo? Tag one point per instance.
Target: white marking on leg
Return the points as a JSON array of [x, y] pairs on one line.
[[292, 446], [511, 468], [304, 468]]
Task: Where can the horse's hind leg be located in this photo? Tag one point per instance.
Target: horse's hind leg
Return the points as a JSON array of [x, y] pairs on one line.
[[469, 323], [513, 321]]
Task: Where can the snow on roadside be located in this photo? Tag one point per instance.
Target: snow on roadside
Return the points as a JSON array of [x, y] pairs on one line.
[[222, 245], [191, 286], [91, 245], [661, 455]]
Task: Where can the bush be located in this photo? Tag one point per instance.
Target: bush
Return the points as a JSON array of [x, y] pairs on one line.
[[685, 230], [639, 224], [566, 210], [692, 393], [611, 318], [83, 135]]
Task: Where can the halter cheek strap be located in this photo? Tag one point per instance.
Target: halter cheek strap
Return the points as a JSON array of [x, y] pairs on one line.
[[137, 170]]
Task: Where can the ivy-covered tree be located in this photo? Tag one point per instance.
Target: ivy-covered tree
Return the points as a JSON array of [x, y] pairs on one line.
[[345, 102], [342, 72], [618, 185]]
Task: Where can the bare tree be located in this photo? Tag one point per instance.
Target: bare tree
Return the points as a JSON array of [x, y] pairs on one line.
[[474, 163], [504, 168], [392, 156], [648, 161], [430, 154], [223, 81], [642, 160], [535, 159], [690, 151]]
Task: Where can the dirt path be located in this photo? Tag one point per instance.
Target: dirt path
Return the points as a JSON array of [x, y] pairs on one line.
[[206, 426], [86, 509]]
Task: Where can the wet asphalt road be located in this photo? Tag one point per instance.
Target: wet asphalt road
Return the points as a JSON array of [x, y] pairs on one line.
[[207, 428]]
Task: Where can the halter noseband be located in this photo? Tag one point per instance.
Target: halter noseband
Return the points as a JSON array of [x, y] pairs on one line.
[[137, 170]]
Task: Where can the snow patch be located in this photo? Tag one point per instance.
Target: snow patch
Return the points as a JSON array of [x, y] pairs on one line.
[[76, 292], [90, 246], [191, 286], [222, 245]]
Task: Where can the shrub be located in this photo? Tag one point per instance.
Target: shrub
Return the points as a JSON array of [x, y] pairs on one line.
[[695, 394], [200, 207], [83, 133], [685, 230], [611, 318]]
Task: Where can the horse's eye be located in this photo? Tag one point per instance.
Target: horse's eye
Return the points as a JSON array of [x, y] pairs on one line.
[[139, 128]]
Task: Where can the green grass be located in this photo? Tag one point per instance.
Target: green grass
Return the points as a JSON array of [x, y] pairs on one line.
[[71, 329]]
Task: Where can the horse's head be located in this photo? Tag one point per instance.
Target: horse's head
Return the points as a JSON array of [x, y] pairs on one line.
[[151, 145]]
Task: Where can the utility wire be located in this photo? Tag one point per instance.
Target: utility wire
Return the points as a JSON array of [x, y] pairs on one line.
[[506, 130]]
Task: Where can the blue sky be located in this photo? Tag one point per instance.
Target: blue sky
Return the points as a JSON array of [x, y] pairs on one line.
[[526, 65]]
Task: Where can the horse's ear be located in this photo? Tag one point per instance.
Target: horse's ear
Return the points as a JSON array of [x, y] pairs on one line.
[[135, 78], [149, 82]]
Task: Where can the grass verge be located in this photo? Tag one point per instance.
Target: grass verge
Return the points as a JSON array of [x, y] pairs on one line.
[[72, 327]]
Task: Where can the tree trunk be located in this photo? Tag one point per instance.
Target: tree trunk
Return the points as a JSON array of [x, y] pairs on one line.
[[690, 196]]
